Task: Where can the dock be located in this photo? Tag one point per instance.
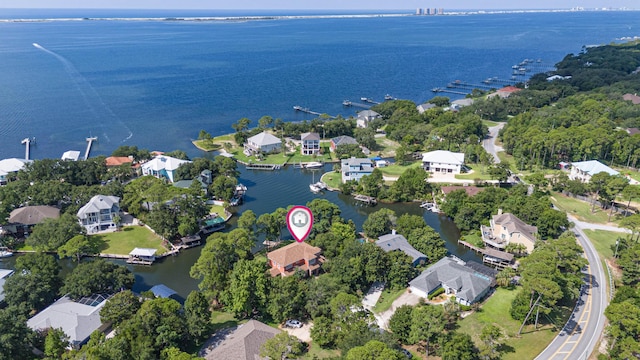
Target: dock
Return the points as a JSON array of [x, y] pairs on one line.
[[308, 111], [90, 141], [263, 166], [27, 142], [464, 85], [369, 100], [366, 200], [492, 257], [441, 90], [348, 103]]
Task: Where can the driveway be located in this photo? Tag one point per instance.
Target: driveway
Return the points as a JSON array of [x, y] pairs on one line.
[[303, 333], [489, 143], [371, 299], [406, 298]]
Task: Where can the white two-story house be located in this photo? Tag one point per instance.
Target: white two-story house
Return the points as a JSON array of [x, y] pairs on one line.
[[99, 213], [310, 143], [443, 162]]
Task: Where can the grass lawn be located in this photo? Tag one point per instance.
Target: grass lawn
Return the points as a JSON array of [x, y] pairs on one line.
[[496, 311], [397, 170], [479, 172], [218, 209], [386, 299], [386, 147], [222, 320], [332, 179], [316, 352], [490, 123], [122, 242], [603, 241], [634, 174], [582, 209]]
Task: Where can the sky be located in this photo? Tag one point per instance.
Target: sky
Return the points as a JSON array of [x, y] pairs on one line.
[[319, 4]]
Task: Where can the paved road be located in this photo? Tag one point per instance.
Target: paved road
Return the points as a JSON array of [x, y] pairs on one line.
[[489, 143], [580, 335]]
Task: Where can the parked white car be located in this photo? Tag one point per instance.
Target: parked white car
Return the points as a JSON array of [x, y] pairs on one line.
[[293, 324]]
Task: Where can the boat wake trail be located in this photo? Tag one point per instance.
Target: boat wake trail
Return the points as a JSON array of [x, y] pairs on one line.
[[100, 111]]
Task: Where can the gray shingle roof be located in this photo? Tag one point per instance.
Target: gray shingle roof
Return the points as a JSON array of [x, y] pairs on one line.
[[344, 140], [97, 203], [309, 136], [263, 139], [392, 242], [244, 343], [514, 225], [467, 282], [31, 215]]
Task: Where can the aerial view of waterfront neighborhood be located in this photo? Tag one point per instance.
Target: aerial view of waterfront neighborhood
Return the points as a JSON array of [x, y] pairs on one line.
[[499, 219]]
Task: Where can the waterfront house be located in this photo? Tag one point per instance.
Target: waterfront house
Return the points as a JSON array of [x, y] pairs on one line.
[[460, 103], [393, 241], [264, 143], [22, 220], [162, 166], [4, 274], [442, 162], [115, 161], [355, 168], [243, 343], [99, 213], [365, 117], [424, 107], [9, 167], [584, 170], [77, 319], [468, 285], [504, 92], [144, 256], [310, 143], [341, 140], [296, 256], [634, 98], [506, 229]]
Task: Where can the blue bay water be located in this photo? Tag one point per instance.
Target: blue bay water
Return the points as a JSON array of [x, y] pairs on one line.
[[155, 84]]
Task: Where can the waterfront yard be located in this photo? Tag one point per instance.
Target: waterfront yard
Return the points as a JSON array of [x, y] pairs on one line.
[[397, 170], [604, 241], [130, 237], [582, 209], [386, 147], [332, 179], [496, 311], [216, 143], [478, 172]]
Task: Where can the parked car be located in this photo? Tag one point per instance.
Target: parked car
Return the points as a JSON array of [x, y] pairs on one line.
[[293, 324], [407, 353]]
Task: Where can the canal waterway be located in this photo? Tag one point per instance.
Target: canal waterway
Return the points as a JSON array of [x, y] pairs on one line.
[[267, 191]]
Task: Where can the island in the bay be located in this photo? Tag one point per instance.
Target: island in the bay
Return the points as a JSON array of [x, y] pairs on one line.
[[540, 178]]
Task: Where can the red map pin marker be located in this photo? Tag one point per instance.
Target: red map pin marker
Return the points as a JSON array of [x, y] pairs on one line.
[[300, 222]]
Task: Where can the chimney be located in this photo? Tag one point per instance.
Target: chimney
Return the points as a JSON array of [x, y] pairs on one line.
[[393, 231], [499, 211]]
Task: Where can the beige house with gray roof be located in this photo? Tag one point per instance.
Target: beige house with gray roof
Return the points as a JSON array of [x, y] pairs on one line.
[[507, 229]]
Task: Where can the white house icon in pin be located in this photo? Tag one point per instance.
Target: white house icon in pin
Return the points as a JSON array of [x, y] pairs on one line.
[[300, 219]]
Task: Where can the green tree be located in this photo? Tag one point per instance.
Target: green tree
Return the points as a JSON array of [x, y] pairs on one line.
[[322, 332], [247, 291], [287, 298], [490, 336], [53, 233], [76, 247], [428, 241], [271, 224], [173, 353], [373, 350], [426, 325], [400, 323], [120, 307], [458, 346], [15, 341], [400, 269], [214, 265], [282, 346], [55, 343], [197, 315], [96, 277], [265, 122], [379, 223], [34, 284], [223, 187]]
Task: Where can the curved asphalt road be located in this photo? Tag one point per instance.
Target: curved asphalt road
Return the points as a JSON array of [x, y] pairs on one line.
[[580, 334], [489, 143]]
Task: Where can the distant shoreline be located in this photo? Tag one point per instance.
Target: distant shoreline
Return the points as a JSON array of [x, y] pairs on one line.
[[297, 17]]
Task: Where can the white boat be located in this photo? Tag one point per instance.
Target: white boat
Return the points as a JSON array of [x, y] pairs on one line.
[[430, 206], [4, 252], [313, 165], [317, 187]]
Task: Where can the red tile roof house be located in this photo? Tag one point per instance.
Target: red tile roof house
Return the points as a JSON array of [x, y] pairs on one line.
[[297, 256], [505, 92]]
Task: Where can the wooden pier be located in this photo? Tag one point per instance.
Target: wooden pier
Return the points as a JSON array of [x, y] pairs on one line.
[[90, 141], [492, 257], [366, 200], [308, 111], [369, 100], [263, 166], [464, 85], [441, 90], [348, 103]]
